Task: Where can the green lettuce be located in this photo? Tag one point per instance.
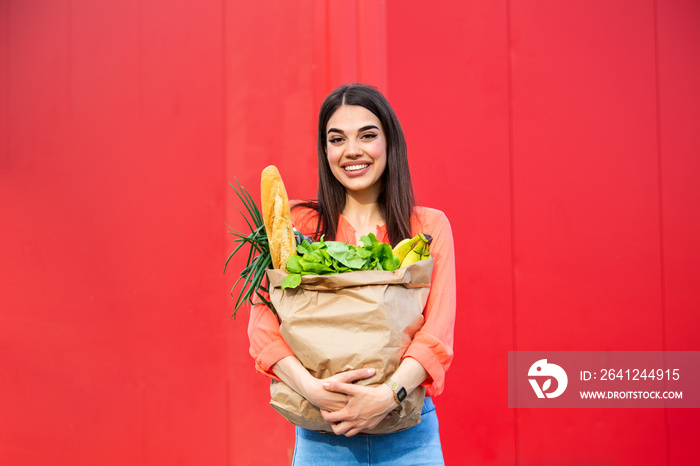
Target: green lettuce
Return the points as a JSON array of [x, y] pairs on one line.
[[330, 257]]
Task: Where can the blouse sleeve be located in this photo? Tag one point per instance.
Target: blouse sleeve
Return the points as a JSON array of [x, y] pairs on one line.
[[432, 344], [266, 343]]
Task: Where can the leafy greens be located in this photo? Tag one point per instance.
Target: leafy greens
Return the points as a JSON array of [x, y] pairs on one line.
[[330, 257]]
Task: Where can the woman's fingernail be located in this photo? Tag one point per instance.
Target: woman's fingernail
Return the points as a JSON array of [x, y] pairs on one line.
[[326, 385], [371, 371]]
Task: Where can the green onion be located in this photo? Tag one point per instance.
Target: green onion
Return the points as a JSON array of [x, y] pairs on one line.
[[258, 260]]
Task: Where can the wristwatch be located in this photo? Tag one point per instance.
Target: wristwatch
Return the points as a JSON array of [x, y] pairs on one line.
[[399, 391]]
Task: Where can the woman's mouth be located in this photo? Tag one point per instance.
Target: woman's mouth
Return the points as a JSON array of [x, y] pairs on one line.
[[355, 168]]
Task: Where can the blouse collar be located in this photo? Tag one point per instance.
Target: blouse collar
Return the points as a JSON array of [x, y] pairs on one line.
[[346, 232]]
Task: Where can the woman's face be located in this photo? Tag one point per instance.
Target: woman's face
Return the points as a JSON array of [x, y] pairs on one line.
[[356, 149]]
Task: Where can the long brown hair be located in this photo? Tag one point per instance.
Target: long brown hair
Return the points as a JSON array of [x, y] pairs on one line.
[[396, 200]]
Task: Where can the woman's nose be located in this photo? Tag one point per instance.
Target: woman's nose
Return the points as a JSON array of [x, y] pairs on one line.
[[353, 148]]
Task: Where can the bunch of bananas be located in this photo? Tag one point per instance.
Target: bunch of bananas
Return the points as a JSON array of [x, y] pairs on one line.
[[413, 249]]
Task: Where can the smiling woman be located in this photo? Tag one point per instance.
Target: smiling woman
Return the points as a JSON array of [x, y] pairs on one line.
[[356, 152], [365, 190]]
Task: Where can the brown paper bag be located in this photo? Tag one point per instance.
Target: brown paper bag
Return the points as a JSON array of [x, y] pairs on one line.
[[335, 323]]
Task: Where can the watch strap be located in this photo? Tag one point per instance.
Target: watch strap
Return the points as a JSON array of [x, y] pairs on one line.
[[398, 389]]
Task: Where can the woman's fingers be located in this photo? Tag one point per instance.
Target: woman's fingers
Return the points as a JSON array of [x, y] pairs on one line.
[[324, 399], [334, 417], [330, 401], [333, 404], [349, 429], [353, 375], [337, 387], [344, 428]]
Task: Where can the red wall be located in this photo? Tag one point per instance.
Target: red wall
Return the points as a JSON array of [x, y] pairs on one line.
[[559, 137]]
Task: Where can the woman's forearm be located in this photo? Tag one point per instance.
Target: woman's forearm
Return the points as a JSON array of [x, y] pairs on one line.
[[293, 373], [410, 374]]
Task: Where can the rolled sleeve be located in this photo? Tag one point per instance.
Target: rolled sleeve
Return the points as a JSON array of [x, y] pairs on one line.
[[266, 343], [432, 345]]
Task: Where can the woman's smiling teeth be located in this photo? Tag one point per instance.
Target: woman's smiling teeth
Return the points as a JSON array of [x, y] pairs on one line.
[[352, 168]]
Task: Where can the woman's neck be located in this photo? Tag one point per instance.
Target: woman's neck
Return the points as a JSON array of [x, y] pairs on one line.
[[363, 214]]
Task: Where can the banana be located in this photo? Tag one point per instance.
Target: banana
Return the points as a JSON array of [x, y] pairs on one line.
[[425, 254], [426, 250], [405, 246], [413, 255], [421, 250]]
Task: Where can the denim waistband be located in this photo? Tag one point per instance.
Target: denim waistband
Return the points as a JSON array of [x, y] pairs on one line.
[[428, 405]]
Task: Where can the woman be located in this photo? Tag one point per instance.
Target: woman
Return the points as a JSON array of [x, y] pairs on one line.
[[365, 186]]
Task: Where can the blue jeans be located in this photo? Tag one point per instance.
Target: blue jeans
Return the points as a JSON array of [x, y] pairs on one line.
[[419, 445]]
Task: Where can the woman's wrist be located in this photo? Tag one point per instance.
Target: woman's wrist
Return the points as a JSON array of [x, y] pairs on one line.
[[388, 395], [307, 383], [410, 374], [294, 374]]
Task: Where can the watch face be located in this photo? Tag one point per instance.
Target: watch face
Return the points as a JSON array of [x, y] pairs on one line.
[[401, 394]]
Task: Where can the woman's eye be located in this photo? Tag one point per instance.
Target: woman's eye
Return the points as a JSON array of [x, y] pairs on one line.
[[335, 140], [369, 136]]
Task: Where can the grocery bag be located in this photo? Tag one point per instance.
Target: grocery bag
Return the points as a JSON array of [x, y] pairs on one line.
[[352, 320]]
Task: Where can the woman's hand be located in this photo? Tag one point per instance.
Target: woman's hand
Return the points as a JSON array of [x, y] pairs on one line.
[[365, 407], [297, 377], [314, 390]]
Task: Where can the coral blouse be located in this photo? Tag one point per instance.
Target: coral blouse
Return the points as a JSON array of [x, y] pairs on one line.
[[431, 345]]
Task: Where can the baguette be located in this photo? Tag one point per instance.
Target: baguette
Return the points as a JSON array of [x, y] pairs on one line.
[[277, 217]]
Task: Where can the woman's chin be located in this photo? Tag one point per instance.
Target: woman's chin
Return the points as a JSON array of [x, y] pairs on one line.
[[362, 189]]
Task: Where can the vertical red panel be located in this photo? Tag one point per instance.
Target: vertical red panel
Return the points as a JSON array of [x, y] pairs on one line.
[[679, 113], [320, 76], [111, 338], [342, 37], [36, 44], [37, 301], [447, 78], [372, 51], [4, 84], [679, 119], [270, 119], [181, 111], [586, 211]]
